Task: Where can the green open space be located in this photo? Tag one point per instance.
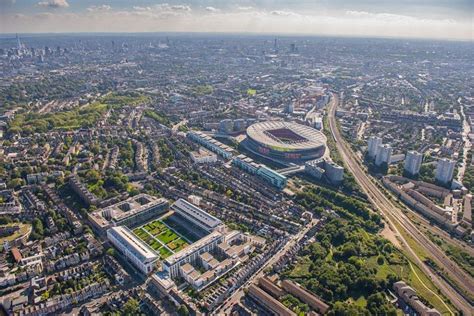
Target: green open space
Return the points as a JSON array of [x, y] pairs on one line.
[[23, 229], [156, 234], [75, 118], [188, 233], [167, 236], [164, 253], [351, 269], [251, 92]]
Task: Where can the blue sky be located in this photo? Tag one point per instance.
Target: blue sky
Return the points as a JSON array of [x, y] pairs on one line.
[[451, 19]]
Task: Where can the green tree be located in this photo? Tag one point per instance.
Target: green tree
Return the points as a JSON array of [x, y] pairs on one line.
[[377, 304], [183, 310], [38, 229], [347, 309], [16, 183], [92, 176], [131, 308], [111, 252]]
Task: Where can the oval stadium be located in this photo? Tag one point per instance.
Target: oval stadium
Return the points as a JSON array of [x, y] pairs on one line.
[[286, 141]]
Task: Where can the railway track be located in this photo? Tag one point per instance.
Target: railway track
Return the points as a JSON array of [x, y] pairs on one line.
[[395, 216]]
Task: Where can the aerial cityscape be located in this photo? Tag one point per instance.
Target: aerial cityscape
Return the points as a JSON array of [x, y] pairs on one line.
[[199, 173]]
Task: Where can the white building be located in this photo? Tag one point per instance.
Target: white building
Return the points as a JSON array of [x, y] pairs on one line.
[[203, 156], [196, 215], [315, 168], [135, 250], [445, 170], [191, 253], [373, 146], [131, 212], [322, 166], [318, 123], [384, 155], [413, 162], [194, 199], [334, 172]]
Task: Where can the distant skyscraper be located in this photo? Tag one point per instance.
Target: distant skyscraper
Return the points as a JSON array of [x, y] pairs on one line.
[[373, 144], [18, 42], [290, 107], [384, 155], [445, 170], [413, 162], [226, 126], [293, 48]]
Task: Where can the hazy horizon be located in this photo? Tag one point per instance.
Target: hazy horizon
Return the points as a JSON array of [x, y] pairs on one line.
[[437, 19]]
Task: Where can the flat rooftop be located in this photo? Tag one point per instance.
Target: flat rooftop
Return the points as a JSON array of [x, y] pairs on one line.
[[130, 207], [192, 248], [185, 208], [140, 249], [202, 153]]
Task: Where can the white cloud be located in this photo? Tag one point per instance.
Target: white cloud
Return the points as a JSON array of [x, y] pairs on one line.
[[164, 8], [137, 8], [283, 13], [100, 8], [181, 18], [212, 9], [180, 7], [383, 16], [244, 8], [54, 4]]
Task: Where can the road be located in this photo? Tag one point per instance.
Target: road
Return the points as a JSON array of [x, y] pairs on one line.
[[395, 217], [178, 125], [226, 308]]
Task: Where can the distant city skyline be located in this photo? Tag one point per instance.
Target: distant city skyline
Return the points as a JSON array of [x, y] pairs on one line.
[[436, 19]]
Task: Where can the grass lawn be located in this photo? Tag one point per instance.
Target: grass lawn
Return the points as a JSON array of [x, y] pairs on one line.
[[419, 284], [425, 287], [361, 301], [165, 235], [155, 228], [164, 253], [251, 92], [24, 229], [155, 245], [301, 269]]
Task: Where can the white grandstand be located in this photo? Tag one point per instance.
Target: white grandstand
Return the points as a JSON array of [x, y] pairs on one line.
[[196, 215]]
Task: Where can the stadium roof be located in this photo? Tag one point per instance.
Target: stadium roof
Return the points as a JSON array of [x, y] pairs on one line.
[[283, 136]]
